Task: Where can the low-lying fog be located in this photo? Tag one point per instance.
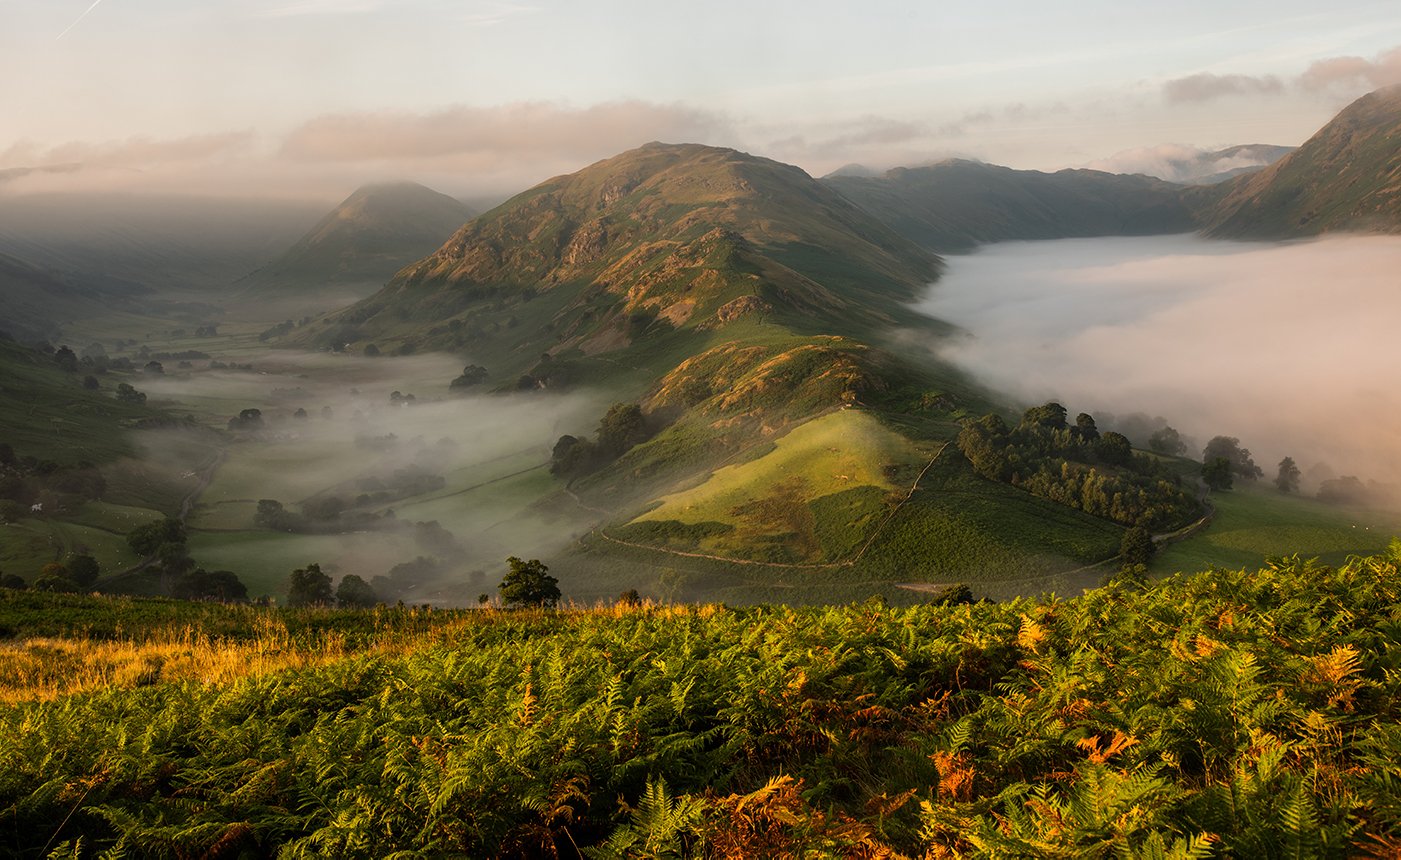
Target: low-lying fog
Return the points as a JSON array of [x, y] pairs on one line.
[[1292, 347], [340, 441]]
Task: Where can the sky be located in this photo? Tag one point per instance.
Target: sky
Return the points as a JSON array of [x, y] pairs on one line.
[[313, 97]]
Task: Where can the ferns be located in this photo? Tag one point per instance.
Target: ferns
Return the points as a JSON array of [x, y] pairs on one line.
[[1227, 714]]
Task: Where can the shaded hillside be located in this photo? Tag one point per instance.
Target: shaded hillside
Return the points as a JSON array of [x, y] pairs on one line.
[[1347, 177], [367, 238], [957, 204], [166, 242], [37, 301]]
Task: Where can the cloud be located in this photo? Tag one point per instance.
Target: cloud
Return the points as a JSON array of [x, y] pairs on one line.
[[1208, 87], [1218, 337], [1353, 72], [1177, 162], [134, 152], [495, 135], [1344, 75]]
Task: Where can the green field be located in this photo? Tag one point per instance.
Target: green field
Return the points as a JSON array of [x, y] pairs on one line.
[[1254, 521]]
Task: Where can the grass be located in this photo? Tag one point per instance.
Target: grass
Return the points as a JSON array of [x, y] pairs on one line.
[[809, 484], [1255, 521]]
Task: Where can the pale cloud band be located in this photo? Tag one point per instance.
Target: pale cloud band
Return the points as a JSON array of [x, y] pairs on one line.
[[1344, 75]]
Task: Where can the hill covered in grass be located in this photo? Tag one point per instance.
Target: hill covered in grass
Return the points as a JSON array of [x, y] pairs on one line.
[[1243, 714], [957, 204], [38, 301], [372, 234], [1347, 177]]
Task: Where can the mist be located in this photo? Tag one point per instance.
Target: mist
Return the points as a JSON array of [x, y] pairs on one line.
[[1290, 347], [373, 435]]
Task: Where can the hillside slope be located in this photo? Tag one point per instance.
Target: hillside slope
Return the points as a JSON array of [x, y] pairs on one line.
[[957, 204], [37, 301], [367, 238], [744, 306], [1347, 177]]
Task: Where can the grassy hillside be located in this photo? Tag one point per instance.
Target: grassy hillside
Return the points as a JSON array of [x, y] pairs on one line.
[[956, 204], [366, 239], [38, 302], [1237, 714], [1347, 177]]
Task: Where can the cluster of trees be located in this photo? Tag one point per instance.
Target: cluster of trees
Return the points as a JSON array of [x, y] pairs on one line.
[[28, 481], [164, 543], [472, 374], [77, 573], [1078, 466], [624, 426], [309, 586]]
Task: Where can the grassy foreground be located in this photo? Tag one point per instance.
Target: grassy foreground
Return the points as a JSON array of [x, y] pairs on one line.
[[1246, 714]]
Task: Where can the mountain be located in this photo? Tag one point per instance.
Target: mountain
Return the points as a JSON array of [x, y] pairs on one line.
[[783, 417], [174, 244], [366, 239], [1209, 168], [1347, 177], [37, 300], [687, 236], [1190, 165], [957, 204]]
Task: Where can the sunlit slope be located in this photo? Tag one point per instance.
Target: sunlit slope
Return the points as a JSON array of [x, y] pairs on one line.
[[742, 304], [367, 238], [957, 204], [813, 498], [660, 239], [1347, 177]]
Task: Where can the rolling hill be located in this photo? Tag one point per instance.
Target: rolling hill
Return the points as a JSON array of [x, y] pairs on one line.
[[957, 204], [1347, 177], [366, 239], [783, 438]]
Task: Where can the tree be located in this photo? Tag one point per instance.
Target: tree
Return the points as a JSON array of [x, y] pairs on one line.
[[630, 598], [528, 583], [1085, 427], [308, 586], [201, 584], [1137, 546], [1216, 472], [146, 540], [355, 593], [472, 374], [247, 419], [83, 569], [66, 359], [1167, 441], [9, 580], [623, 427], [126, 394], [1114, 448], [1047, 415], [1288, 478], [55, 583], [1239, 458], [90, 383]]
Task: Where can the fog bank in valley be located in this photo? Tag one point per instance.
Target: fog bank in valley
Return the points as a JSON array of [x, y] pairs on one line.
[[1290, 347], [340, 441]]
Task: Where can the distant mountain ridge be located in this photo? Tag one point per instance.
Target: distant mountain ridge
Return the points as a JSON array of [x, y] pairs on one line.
[[1347, 177], [957, 204], [373, 233]]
